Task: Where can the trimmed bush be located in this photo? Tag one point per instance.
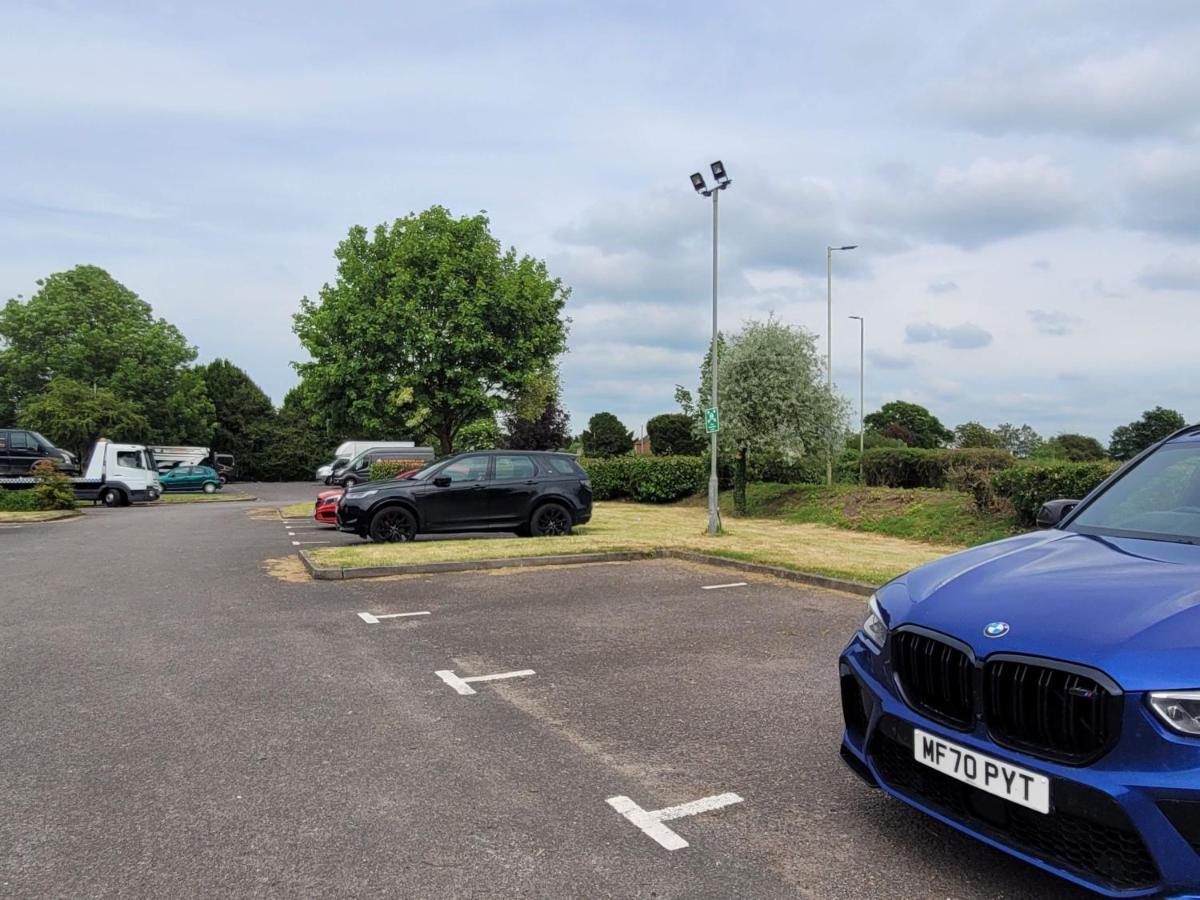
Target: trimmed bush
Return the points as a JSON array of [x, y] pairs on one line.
[[54, 490], [19, 501], [646, 479], [1029, 485], [389, 468], [915, 468]]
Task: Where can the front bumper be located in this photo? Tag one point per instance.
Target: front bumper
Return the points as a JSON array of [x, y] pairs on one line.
[[1126, 825]]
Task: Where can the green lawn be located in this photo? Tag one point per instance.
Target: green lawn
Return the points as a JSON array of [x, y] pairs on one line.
[[198, 497], [805, 547], [939, 517]]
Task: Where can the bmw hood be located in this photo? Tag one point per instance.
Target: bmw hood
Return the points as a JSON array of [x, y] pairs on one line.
[[1128, 607]]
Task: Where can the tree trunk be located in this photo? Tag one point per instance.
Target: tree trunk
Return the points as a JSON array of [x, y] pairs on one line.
[[739, 483], [446, 439]]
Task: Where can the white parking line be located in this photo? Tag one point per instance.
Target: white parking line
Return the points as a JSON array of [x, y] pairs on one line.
[[298, 543], [462, 685], [650, 821], [374, 619], [714, 587]]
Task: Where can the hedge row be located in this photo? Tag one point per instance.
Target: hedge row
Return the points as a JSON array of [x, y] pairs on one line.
[[389, 468], [19, 501], [1030, 485], [647, 479], [913, 468]]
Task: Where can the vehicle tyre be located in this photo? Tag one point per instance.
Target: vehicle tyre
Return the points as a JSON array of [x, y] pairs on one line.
[[550, 520], [110, 497], [349, 483], [210, 487], [393, 525]]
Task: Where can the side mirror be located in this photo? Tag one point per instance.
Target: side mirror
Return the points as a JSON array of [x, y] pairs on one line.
[[1054, 512], [442, 481]]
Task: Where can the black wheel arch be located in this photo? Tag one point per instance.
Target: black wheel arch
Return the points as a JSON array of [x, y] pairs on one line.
[[388, 502]]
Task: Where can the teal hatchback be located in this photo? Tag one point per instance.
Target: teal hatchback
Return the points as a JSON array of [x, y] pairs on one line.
[[191, 478]]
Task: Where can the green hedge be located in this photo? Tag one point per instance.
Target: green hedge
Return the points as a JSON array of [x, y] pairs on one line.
[[19, 501], [1029, 485], [647, 479], [912, 468], [389, 468]]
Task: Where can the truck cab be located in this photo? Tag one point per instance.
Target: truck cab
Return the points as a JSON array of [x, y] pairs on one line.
[[119, 474]]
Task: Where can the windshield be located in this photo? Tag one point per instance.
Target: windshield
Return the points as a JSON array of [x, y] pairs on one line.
[[1159, 499]]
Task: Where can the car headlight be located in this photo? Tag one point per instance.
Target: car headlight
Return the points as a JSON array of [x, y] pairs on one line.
[[1178, 710], [358, 495], [874, 627]]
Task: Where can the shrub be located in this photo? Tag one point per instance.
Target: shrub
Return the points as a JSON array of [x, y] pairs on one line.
[[389, 468], [18, 501], [913, 468], [846, 468], [647, 479], [53, 490], [674, 434], [1030, 485], [775, 468]]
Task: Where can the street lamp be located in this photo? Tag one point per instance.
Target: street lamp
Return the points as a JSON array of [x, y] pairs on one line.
[[829, 338], [723, 181], [862, 327]]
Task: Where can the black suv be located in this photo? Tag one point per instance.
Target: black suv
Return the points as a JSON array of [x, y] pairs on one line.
[[526, 491]]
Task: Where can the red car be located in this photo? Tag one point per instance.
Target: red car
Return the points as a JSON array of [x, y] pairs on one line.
[[327, 501]]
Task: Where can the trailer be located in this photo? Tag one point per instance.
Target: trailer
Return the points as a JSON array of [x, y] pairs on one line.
[[116, 475]]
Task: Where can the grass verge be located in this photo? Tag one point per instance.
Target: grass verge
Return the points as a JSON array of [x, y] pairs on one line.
[[298, 510], [205, 498], [804, 547], [947, 518], [45, 515]]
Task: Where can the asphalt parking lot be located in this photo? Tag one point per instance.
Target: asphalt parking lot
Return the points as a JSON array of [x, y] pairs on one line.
[[186, 714]]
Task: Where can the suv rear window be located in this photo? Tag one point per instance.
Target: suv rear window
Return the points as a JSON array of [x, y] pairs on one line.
[[564, 465]]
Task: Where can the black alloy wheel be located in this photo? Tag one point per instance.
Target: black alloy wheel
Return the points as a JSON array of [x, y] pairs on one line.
[[393, 525], [551, 520]]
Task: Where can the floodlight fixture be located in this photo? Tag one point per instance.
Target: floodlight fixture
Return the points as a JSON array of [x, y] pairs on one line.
[[698, 183], [718, 170]]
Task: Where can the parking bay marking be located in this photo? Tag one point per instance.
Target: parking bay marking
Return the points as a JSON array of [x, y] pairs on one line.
[[374, 619], [651, 821], [298, 543], [714, 587], [463, 685]]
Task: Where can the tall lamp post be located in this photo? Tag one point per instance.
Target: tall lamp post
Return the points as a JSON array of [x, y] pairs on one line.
[[711, 420], [829, 339], [862, 328]]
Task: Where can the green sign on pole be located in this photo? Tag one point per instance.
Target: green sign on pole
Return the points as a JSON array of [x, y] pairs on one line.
[[712, 421]]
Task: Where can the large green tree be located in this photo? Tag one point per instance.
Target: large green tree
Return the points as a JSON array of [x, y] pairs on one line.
[[239, 404], [85, 326], [1073, 447], [1019, 440], [606, 435], [773, 398], [430, 325], [1155, 424], [74, 415], [916, 425], [289, 445], [974, 435], [674, 434]]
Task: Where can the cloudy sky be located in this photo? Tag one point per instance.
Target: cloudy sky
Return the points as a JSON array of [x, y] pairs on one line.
[[1024, 180]]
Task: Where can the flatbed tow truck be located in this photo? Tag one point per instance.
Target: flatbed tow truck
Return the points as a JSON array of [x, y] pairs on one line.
[[116, 475]]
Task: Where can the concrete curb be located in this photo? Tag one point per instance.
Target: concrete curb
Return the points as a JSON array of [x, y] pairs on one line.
[[824, 581]]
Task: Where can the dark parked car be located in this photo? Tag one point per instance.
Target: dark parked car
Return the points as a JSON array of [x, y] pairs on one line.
[[21, 450], [529, 492]]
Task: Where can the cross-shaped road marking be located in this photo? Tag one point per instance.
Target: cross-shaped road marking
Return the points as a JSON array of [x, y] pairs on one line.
[[651, 820]]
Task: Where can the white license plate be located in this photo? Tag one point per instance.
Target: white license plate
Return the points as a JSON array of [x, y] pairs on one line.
[[1011, 782]]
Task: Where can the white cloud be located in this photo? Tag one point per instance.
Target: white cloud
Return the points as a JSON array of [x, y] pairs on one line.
[[1175, 273], [989, 200], [1163, 196], [957, 337]]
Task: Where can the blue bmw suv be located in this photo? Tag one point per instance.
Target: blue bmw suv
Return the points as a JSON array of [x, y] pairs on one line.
[[1042, 693]]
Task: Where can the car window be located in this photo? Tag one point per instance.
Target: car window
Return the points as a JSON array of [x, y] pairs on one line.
[[129, 458], [3, 440], [20, 441], [1159, 498], [469, 468], [564, 466], [514, 467]]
